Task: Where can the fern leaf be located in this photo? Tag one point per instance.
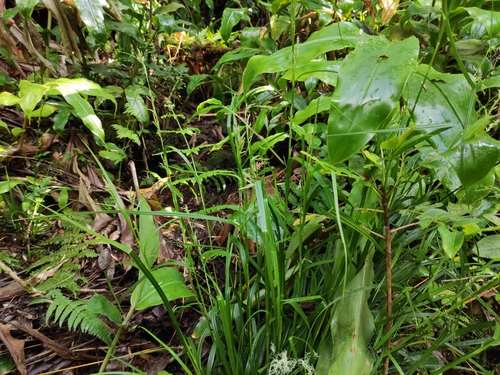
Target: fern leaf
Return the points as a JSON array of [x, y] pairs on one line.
[[135, 103], [77, 315], [123, 132]]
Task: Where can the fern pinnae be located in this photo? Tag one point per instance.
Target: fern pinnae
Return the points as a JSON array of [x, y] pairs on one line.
[[77, 315]]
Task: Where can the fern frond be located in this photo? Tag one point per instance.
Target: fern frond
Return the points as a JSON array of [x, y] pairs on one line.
[[123, 132], [77, 315]]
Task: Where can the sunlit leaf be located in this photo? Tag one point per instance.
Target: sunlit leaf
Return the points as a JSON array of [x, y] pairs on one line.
[[31, 94], [7, 99], [230, 18], [92, 15]]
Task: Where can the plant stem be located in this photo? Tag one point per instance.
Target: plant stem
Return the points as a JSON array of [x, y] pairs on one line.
[[115, 340], [388, 269]]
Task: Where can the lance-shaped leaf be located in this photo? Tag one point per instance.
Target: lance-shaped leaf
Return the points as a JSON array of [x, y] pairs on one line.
[[352, 328], [334, 37], [92, 15], [369, 86]]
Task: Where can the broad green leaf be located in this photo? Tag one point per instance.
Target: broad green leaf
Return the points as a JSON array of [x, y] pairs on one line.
[[169, 8], [113, 153], [44, 111], [80, 85], [470, 46], [164, 23], [26, 7], [230, 18], [149, 243], [135, 103], [61, 119], [352, 327], [474, 193], [99, 304], [333, 37], [490, 19], [8, 99], [370, 84], [126, 28], [4, 125], [171, 282], [452, 241], [475, 160], [194, 82], [315, 107], [92, 15], [440, 100], [85, 112], [267, 143], [6, 186], [31, 94], [149, 239], [489, 247], [325, 71]]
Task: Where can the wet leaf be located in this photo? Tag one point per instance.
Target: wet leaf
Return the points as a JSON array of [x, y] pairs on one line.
[[370, 84]]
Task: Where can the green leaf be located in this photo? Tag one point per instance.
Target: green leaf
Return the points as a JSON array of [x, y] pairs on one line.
[[475, 160], [452, 241], [66, 86], [123, 132], [164, 23], [169, 8], [6, 186], [26, 7], [85, 112], [490, 19], [8, 99], [113, 153], [194, 82], [370, 84], [333, 37], [230, 18], [61, 119], [325, 71], [126, 28], [352, 327], [440, 100], [99, 304], [44, 111], [135, 103], [171, 282], [31, 94], [489, 247], [315, 107], [267, 143], [92, 15], [4, 125], [149, 239]]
